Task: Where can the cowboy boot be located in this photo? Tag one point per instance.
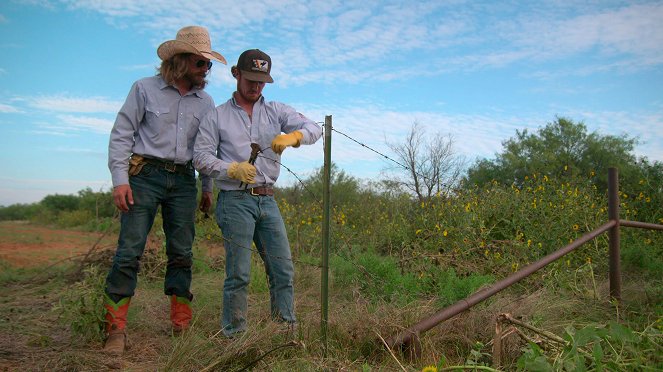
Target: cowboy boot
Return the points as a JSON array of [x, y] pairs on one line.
[[116, 321], [180, 313]]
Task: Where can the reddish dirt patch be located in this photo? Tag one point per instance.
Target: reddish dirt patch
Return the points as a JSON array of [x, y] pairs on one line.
[[26, 245]]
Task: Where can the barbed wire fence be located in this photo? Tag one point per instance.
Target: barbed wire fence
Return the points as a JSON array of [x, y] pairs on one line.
[[318, 200]]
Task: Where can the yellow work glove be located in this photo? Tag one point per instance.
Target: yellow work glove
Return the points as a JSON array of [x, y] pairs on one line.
[[243, 171], [282, 141]]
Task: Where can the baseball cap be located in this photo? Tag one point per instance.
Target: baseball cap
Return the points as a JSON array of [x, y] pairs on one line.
[[255, 65]]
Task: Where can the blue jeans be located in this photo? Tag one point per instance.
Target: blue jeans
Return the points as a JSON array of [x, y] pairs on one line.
[[176, 194], [243, 219]]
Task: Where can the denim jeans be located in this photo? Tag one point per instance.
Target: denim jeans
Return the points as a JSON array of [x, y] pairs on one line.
[[176, 194], [243, 219]]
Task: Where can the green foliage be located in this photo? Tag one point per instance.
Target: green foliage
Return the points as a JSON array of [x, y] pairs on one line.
[[559, 149], [89, 210], [382, 279], [57, 203], [614, 347], [81, 306], [18, 212], [75, 218]]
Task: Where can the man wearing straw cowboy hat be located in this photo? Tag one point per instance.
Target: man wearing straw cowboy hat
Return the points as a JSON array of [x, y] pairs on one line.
[[246, 210], [149, 156]]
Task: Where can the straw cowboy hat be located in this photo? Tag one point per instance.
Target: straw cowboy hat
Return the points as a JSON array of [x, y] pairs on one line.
[[190, 39]]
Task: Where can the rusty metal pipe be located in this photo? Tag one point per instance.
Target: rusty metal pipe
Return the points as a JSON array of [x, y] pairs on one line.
[[405, 336], [641, 225]]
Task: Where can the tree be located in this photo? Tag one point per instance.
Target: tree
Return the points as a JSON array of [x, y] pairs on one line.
[[345, 188], [560, 149], [431, 166], [58, 203]]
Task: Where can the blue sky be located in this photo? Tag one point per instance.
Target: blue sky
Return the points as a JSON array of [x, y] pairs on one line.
[[477, 70]]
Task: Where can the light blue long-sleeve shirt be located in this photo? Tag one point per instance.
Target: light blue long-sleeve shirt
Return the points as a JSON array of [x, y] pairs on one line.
[[226, 133], [156, 121]]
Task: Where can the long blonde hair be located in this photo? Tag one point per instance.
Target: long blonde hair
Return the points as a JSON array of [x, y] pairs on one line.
[[175, 68]]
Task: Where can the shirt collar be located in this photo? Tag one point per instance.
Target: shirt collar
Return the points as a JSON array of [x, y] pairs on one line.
[[163, 85], [260, 100]]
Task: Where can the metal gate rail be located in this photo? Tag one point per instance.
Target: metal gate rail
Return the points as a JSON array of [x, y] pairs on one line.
[[408, 339]]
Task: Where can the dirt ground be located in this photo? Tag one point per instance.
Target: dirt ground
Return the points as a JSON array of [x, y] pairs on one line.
[[26, 245], [32, 335]]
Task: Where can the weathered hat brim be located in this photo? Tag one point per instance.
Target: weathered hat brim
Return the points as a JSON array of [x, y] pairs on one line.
[[257, 76], [171, 47]]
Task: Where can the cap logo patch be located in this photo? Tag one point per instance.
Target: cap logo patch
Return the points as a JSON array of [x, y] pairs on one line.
[[260, 65]]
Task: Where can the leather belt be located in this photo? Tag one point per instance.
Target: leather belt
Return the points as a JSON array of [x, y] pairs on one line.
[[170, 166], [261, 191]]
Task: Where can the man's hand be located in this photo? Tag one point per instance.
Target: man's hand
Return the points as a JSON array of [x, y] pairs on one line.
[[243, 171], [282, 141], [123, 197], [205, 202]]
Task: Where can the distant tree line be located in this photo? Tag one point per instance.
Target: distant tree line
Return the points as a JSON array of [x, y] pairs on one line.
[[428, 166]]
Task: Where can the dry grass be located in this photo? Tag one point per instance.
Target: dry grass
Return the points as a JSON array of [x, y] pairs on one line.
[[34, 335]]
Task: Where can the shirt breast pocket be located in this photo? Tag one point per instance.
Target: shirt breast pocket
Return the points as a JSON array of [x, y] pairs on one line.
[[156, 118], [268, 131]]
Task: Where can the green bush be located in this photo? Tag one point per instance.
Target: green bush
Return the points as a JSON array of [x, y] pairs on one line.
[[614, 347], [382, 279], [81, 306], [76, 218]]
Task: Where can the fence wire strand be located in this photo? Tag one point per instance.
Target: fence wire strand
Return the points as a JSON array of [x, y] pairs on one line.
[[319, 201]]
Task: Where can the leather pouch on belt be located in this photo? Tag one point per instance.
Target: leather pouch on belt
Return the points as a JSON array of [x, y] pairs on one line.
[[136, 163]]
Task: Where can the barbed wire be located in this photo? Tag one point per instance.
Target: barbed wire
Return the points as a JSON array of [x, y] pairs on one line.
[[388, 158], [319, 202]]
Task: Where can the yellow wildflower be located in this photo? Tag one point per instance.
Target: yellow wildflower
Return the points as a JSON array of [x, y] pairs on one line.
[[429, 369]]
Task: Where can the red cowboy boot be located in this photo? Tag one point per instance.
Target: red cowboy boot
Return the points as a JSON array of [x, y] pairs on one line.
[[180, 313], [116, 322]]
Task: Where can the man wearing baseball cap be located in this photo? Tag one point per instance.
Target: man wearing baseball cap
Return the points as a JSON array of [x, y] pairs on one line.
[[149, 156], [246, 210]]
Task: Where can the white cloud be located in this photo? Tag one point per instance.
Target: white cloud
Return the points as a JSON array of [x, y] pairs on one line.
[[94, 124], [61, 103], [8, 109], [635, 31], [314, 41]]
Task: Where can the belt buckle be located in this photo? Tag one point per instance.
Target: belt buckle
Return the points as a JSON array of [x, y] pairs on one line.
[[170, 167], [252, 193]]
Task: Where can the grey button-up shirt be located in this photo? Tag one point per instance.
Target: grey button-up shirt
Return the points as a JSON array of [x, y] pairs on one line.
[[226, 134], [156, 121]]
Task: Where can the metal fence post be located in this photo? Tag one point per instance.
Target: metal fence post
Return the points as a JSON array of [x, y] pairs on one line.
[[613, 234], [326, 193]]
